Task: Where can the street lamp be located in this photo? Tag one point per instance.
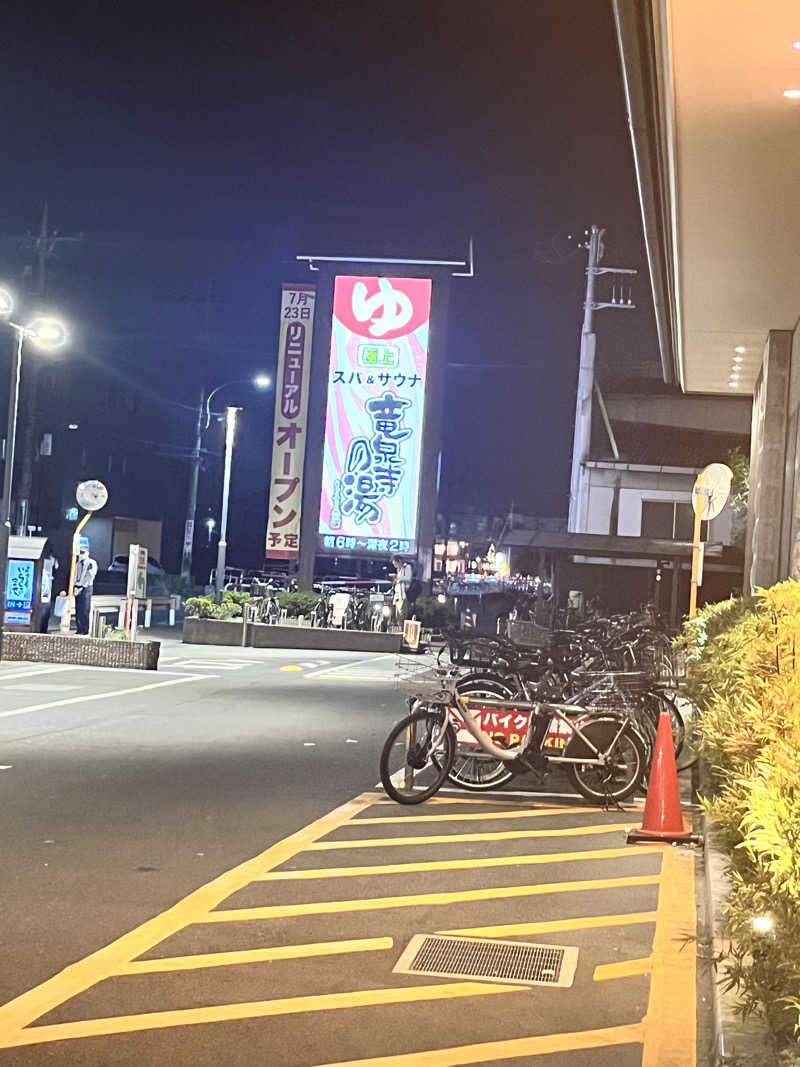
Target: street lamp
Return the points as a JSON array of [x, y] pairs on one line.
[[47, 333], [222, 544], [260, 381]]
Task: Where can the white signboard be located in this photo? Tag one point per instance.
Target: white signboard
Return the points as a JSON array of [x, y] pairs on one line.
[[291, 418], [137, 572]]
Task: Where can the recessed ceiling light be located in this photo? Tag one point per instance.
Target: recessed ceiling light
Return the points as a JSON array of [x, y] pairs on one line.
[[740, 350], [733, 385], [738, 360], [792, 94], [796, 44]]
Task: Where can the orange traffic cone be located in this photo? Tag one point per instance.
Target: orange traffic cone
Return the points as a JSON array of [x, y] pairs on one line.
[[663, 818]]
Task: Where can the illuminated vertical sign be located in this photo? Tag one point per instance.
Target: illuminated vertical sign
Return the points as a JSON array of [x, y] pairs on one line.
[[291, 422], [375, 415]]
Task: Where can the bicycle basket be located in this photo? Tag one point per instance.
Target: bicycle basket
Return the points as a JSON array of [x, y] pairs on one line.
[[662, 664], [473, 652], [610, 690], [417, 675]]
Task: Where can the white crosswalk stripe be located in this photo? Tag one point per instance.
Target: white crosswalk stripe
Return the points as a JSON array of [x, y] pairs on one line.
[[210, 665]]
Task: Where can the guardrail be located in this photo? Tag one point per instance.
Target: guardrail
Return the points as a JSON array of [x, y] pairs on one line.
[[103, 606]]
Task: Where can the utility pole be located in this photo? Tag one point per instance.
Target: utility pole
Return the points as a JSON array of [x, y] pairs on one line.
[[191, 500], [194, 468], [620, 298], [46, 244]]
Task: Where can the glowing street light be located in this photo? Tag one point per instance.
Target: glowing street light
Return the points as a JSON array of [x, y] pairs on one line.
[[260, 381], [44, 332], [47, 333]]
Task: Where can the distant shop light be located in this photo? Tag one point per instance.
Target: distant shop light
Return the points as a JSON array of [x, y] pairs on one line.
[[792, 94], [71, 514], [72, 426]]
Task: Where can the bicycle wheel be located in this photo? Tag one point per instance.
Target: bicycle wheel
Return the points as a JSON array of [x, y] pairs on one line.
[[655, 703], [418, 755], [619, 778], [473, 768]]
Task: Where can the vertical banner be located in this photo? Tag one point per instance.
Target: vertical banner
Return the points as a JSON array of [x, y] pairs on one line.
[[291, 416], [375, 415]]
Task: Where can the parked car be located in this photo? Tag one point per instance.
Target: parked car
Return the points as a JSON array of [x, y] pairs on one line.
[[120, 564], [114, 581]]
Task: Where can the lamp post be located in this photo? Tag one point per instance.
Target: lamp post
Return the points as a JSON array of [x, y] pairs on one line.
[[222, 545], [46, 333], [260, 381]]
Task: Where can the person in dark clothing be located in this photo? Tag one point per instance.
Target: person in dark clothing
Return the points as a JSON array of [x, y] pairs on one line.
[[49, 567], [85, 574]]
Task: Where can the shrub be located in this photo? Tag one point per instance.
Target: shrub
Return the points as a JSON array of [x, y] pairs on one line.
[[432, 614], [745, 679], [206, 607], [232, 601], [203, 607], [298, 603]]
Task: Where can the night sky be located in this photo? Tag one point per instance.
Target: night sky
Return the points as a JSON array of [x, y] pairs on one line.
[[347, 126]]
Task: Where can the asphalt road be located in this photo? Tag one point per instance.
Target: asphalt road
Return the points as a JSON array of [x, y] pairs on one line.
[[123, 793]]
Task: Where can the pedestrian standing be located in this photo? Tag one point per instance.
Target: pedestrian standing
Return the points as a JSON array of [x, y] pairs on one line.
[[403, 577], [85, 574]]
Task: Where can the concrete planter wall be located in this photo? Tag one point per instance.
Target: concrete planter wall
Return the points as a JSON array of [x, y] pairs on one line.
[[212, 631], [260, 635], [80, 651]]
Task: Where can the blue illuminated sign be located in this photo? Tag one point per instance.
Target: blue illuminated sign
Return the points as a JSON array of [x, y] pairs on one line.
[[20, 584]]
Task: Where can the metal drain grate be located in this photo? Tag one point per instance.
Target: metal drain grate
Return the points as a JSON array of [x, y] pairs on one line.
[[480, 958]]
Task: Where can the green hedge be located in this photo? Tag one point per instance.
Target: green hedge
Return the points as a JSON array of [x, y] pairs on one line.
[[298, 603], [206, 607], [744, 659]]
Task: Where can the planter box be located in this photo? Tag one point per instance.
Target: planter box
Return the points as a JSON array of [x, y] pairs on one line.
[[80, 651], [212, 631], [261, 635]]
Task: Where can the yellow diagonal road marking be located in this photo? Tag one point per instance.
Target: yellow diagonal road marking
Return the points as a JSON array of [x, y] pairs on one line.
[[330, 907], [670, 1026], [454, 839], [255, 955], [259, 1009], [624, 969], [555, 926], [452, 816], [452, 865], [515, 1048], [107, 961]]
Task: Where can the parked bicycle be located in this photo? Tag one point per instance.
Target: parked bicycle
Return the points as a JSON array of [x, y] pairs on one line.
[[576, 668], [602, 753]]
